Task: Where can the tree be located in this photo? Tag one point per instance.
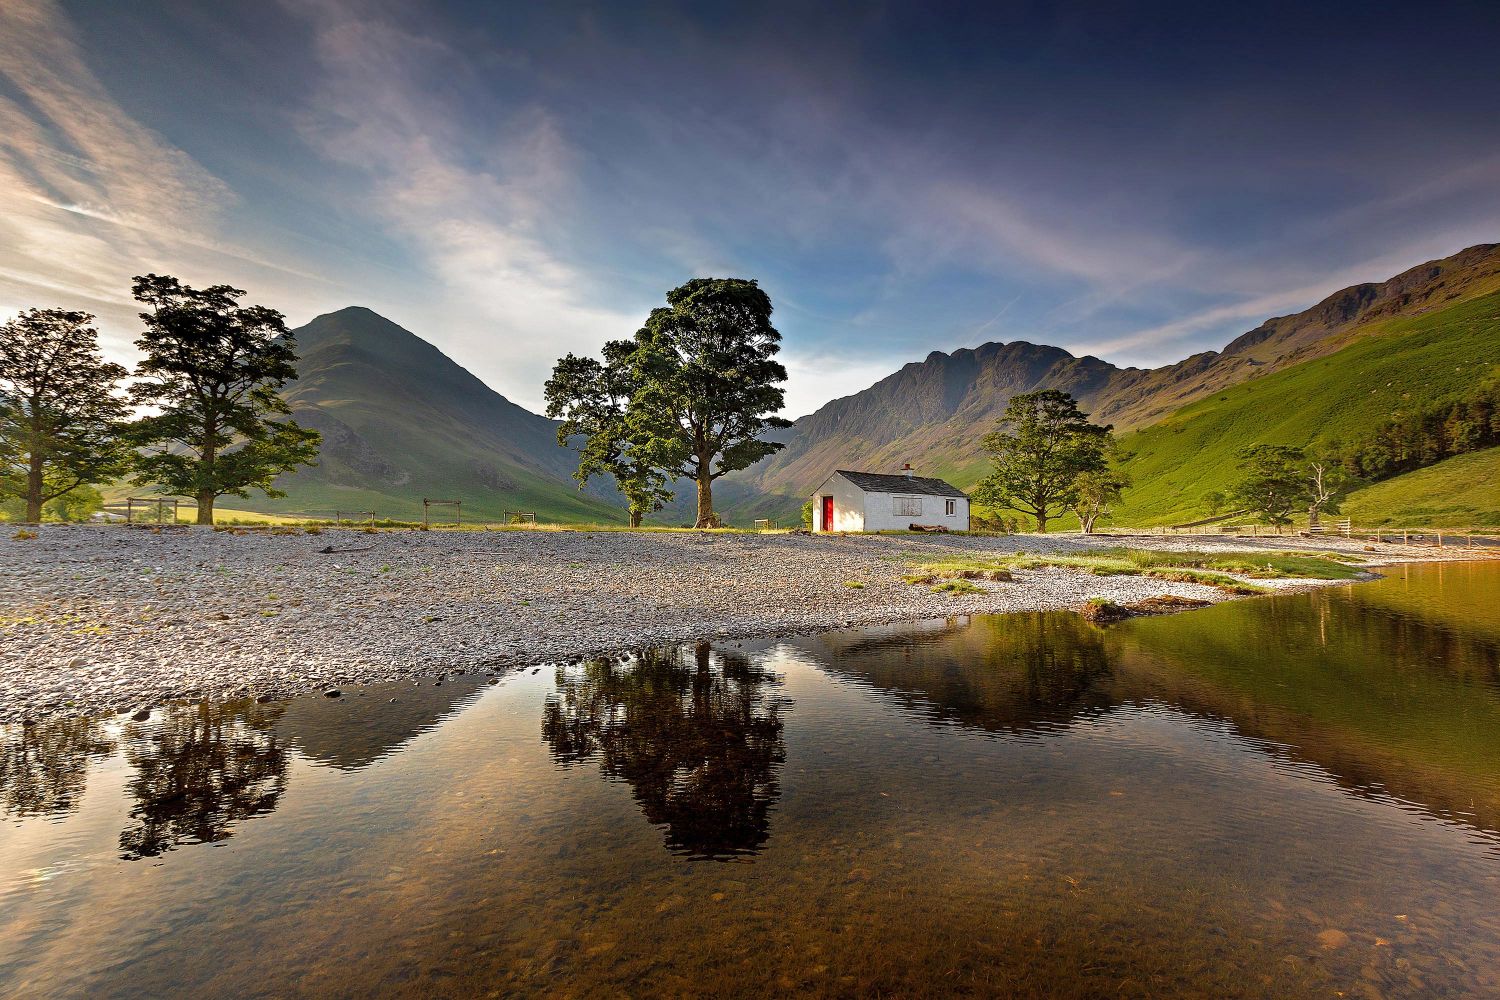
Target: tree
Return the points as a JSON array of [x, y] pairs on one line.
[[593, 399], [1326, 484], [1273, 482], [60, 410], [1096, 493], [215, 369], [1042, 445], [76, 505], [690, 396]]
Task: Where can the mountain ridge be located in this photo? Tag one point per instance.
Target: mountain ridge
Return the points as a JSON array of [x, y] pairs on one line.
[[933, 412]]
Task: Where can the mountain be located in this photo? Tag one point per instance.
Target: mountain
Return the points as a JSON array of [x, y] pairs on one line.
[[401, 421], [933, 413], [1396, 364]]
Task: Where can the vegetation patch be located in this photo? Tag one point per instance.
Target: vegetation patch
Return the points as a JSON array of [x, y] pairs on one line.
[[1209, 569], [957, 587], [1102, 611]]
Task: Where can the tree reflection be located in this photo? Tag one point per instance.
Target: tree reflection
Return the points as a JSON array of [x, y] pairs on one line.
[[198, 772], [697, 735], [43, 768]]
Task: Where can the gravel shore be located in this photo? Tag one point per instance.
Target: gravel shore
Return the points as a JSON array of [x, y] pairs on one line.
[[101, 618]]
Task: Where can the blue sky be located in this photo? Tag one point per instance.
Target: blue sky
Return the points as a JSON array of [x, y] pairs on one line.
[[512, 181]]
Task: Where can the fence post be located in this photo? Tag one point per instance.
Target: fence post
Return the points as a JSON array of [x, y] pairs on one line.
[[1440, 538]]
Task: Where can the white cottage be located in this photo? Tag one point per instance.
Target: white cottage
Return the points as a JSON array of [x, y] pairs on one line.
[[870, 501]]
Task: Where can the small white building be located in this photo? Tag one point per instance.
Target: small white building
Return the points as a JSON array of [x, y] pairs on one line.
[[870, 501]]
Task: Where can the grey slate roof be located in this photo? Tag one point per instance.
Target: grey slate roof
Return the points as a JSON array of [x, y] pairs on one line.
[[874, 482]]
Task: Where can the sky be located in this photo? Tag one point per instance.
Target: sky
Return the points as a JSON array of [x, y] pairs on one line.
[[513, 181]]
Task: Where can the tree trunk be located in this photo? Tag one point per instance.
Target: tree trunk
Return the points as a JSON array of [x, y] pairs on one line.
[[706, 517], [34, 486], [205, 507], [1041, 524], [635, 519]]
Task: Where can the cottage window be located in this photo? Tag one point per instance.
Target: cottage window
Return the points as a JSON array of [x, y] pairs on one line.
[[951, 508], [908, 506]]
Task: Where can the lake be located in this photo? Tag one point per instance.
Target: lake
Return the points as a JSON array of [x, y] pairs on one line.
[[1284, 796]]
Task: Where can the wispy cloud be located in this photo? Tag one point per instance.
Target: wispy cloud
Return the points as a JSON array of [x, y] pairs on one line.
[[480, 209], [88, 196]]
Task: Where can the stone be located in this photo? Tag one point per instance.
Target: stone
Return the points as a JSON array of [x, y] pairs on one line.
[[1332, 938]]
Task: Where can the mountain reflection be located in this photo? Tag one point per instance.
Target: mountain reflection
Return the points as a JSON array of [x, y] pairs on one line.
[[198, 771], [696, 733], [1013, 673], [44, 768]]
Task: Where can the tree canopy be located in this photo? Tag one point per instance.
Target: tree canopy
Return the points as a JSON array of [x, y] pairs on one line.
[[214, 369], [1043, 444], [61, 411], [1272, 482], [690, 396]]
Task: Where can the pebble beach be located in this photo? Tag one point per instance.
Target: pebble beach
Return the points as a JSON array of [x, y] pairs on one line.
[[103, 618]]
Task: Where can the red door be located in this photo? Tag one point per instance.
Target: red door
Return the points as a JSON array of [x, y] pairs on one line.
[[828, 513]]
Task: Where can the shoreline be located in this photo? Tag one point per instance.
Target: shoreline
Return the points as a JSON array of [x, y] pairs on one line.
[[97, 619]]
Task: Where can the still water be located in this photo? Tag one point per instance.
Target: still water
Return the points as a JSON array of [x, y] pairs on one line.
[[1279, 797]]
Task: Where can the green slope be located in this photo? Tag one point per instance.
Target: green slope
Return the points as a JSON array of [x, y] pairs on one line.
[[1396, 364], [401, 421], [1461, 492]]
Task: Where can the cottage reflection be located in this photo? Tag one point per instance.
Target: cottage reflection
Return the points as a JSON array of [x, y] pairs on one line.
[[198, 772], [697, 734]]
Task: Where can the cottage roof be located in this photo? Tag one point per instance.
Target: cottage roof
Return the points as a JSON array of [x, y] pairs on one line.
[[874, 482]]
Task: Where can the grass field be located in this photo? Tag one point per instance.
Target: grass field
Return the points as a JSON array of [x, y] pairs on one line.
[[1462, 492], [1400, 363]]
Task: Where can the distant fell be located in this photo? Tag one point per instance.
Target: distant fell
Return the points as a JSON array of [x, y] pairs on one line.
[[401, 420]]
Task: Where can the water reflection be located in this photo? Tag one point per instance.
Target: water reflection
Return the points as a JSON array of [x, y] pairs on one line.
[[377, 721], [696, 733], [198, 772], [1028, 672], [44, 767]]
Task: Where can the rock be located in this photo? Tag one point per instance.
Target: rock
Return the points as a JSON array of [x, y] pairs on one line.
[[141, 716], [332, 693], [1332, 938]]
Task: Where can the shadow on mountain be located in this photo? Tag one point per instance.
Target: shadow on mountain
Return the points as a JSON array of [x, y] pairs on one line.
[[363, 727], [44, 768], [199, 771], [695, 732], [1016, 673]]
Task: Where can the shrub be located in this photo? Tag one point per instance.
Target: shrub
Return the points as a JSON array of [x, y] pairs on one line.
[[956, 587]]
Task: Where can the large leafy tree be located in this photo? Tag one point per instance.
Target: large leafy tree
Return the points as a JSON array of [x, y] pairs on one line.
[[61, 411], [1272, 482], [214, 369], [592, 398], [1041, 447], [690, 396]]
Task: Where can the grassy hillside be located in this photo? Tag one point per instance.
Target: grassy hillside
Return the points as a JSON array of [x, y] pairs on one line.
[[400, 420], [1396, 363], [1462, 492]]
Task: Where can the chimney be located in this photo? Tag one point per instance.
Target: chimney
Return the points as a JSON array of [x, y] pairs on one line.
[[906, 469]]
